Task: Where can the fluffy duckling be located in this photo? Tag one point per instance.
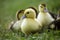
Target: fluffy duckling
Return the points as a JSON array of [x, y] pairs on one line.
[[56, 23], [44, 16], [30, 24], [15, 25]]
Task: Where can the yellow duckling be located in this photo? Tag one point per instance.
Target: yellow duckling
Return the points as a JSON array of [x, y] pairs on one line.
[[15, 25], [44, 17], [30, 24]]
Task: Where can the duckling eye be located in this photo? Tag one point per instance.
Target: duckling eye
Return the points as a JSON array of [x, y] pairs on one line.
[[27, 12], [41, 6]]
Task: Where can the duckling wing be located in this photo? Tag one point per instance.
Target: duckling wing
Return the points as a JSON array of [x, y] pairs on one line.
[[56, 24], [53, 15], [17, 25]]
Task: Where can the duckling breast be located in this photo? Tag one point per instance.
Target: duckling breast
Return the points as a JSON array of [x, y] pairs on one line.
[[44, 18], [29, 25]]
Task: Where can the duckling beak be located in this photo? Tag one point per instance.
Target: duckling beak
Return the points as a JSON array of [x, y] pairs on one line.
[[45, 10], [24, 16]]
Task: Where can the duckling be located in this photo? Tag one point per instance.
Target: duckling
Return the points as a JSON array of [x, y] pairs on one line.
[[15, 25], [30, 24], [56, 23], [44, 16]]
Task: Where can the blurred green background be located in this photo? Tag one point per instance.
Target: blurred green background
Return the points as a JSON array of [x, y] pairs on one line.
[[8, 9]]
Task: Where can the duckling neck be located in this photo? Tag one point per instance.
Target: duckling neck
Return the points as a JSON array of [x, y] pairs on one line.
[[30, 18], [42, 12]]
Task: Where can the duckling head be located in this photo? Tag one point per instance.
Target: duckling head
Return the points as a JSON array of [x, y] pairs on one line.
[[35, 10], [30, 13], [19, 14], [58, 15], [42, 8]]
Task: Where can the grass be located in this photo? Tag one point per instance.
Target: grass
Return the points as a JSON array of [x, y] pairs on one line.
[[9, 35], [8, 10]]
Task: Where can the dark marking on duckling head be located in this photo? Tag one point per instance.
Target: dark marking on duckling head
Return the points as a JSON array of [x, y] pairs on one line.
[[43, 4], [35, 10], [20, 11]]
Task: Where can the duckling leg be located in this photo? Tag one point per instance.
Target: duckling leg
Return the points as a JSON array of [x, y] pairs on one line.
[[27, 34]]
